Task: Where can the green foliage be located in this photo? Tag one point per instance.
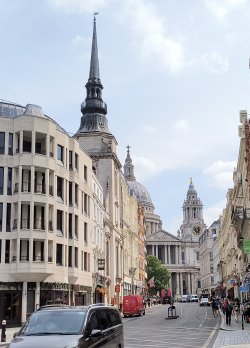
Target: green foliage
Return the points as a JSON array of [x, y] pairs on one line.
[[161, 275]]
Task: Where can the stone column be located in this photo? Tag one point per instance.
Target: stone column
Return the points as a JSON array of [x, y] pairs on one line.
[[188, 283], [176, 254], [177, 284], [165, 254], [37, 295], [181, 284], [156, 250], [169, 257], [193, 285], [24, 303]]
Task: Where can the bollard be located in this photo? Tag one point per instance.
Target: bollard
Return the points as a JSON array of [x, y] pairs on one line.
[[3, 333]]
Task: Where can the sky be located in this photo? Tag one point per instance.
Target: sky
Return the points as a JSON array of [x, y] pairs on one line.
[[175, 76]]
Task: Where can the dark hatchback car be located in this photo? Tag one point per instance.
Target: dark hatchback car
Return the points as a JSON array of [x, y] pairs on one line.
[[71, 327]]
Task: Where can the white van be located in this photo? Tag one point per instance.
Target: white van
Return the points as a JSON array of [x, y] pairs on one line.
[[194, 298], [184, 298]]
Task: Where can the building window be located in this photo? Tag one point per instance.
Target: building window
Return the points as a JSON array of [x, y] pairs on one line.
[[1, 217], [85, 204], [24, 250], [70, 226], [1, 180], [76, 195], [38, 250], [9, 184], [10, 150], [76, 257], [76, 162], [85, 266], [59, 254], [60, 189], [2, 143], [59, 223], [7, 251], [76, 226], [60, 153], [70, 257], [70, 160], [211, 255], [197, 256], [70, 193], [8, 217], [85, 233], [85, 173]]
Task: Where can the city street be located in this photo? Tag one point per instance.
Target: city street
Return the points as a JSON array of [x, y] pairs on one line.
[[195, 327]]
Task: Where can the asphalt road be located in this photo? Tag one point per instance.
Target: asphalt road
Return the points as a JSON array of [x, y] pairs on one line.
[[194, 328]]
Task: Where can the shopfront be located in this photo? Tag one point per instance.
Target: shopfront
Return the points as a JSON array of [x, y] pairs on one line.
[[11, 303]]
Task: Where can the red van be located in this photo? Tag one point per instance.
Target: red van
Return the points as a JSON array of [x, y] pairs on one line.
[[133, 305]]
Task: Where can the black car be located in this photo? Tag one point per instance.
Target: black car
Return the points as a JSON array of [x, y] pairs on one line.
[[66, 326]]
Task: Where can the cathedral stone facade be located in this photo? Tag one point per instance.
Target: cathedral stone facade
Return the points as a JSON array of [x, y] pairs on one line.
[[180, 254]]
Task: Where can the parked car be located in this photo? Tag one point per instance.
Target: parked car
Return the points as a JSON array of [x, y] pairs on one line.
[[133, 305], [184, 298], [194, 298], [204, 301], [66, 326]]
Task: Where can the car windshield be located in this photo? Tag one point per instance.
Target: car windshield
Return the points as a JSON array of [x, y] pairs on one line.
[[51, 322]]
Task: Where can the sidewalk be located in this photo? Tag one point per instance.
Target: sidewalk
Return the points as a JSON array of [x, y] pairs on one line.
[[9, 335], [233, 335]]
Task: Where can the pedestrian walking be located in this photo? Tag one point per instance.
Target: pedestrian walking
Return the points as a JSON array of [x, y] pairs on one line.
[[228, 311], [236, 310], [215, 306]]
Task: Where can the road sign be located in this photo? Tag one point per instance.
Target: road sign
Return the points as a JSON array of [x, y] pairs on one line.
[[246, 246], [244, 288]]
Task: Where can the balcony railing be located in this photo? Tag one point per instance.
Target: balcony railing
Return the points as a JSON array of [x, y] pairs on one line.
[[39, 224], [25, 186], [41, 152], [40, 188], [24, 258], [25, 224]]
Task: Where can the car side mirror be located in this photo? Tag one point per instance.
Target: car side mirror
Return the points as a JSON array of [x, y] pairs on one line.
[[15, 334], [96, 333]]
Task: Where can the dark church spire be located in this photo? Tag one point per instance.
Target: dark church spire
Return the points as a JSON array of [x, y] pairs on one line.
[[129, 167], [93, 108]]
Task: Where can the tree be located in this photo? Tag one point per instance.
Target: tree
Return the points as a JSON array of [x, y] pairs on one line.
[[159, 273]]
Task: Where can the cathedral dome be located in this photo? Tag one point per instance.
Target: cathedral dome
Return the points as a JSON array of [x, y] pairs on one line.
[[141, 192]]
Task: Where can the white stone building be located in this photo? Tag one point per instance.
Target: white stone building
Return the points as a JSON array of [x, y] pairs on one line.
[[45, 224]]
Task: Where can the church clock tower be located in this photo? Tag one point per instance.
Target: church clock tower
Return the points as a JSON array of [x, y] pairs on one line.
[[193, 224]]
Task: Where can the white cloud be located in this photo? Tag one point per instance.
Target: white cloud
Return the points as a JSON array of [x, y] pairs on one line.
[[151, 39], [78, 6], [220, 174], [150, 129], [78, 39], [213, 213], [145, 168], [181, 126], [221, 8]]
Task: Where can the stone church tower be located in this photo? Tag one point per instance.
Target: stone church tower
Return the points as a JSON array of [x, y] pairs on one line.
[[193, 224], [96, 139]]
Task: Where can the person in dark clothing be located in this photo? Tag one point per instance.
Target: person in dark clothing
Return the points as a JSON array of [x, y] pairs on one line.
[[228, 312]]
